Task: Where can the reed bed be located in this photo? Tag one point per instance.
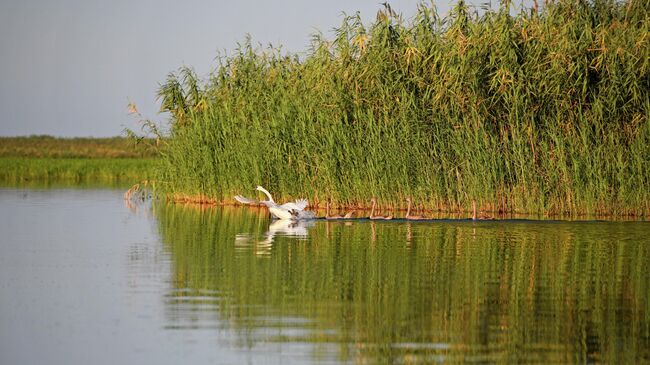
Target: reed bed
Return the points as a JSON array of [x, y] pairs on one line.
[[544, 111]]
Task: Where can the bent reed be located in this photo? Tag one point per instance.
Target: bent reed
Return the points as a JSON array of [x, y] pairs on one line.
[[546, 111]]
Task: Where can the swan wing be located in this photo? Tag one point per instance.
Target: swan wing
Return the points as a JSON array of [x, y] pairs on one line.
[[301, 203], [298, 205], [245, 200]]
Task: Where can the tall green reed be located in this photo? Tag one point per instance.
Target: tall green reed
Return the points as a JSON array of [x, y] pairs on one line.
[[542, 111]]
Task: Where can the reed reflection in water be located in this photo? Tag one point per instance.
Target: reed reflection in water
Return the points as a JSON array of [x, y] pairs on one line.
[[397, 292]]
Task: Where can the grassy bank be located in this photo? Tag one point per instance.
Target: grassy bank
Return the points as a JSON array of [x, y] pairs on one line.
[[75, 161], [546, 111], [113, 171]]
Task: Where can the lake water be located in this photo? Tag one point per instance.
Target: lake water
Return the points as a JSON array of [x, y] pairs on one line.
[[85, 279]]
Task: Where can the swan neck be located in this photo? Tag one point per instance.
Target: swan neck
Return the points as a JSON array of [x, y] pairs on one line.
[[267, 194], [408, 209], [474, 210], [372, 210]]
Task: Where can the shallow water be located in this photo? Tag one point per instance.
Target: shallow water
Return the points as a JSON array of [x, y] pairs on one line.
[[86, 279]]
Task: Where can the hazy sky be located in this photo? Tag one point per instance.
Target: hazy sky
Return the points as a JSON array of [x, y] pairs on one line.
[[69, 67]]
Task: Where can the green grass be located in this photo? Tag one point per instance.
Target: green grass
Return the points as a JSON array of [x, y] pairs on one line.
[[45, 160], [542, 112], [114, 171]]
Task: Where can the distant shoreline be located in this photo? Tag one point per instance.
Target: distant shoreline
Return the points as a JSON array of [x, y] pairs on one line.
[[73, 161], [76, 147]]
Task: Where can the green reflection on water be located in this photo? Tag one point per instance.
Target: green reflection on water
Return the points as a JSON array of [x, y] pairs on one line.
[[397, 292]]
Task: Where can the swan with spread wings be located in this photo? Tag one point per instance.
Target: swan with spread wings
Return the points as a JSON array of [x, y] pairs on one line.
[[291, 210]]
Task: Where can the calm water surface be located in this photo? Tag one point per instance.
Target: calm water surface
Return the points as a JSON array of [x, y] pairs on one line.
[[85, 279]]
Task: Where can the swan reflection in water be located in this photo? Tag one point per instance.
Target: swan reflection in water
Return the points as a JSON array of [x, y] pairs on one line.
[[281, 227]]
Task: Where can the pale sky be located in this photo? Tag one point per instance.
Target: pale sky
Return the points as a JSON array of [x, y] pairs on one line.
[[69, 67]]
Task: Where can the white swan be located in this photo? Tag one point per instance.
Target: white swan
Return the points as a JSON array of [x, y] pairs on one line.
[[291, 210]]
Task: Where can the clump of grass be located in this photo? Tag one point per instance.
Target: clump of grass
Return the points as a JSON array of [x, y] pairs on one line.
[[544, 111]]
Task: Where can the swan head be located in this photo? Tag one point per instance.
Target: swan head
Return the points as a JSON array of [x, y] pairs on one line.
[[259, 188]]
